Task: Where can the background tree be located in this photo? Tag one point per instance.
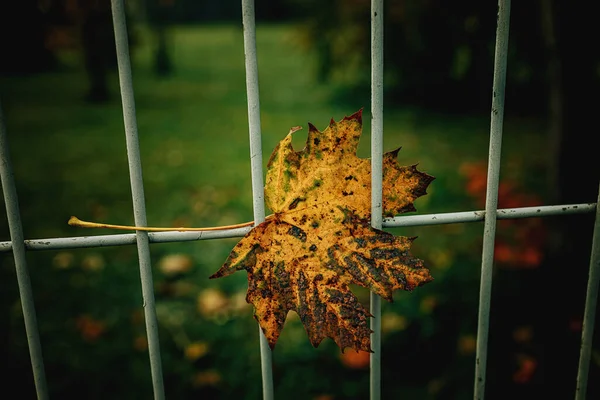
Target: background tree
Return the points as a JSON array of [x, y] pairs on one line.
[[574, 82], [437, 55], [98, 45]]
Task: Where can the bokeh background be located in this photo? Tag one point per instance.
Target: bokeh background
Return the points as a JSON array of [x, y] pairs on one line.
[[60, 97]]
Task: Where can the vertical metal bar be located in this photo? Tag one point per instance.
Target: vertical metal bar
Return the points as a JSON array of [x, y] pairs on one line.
[[252, 92], [491, 201], [376, 180], [18, 248], [589, 317], [137, 192]]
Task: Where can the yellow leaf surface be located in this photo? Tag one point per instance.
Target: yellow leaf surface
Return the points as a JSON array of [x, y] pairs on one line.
[[319, 239]]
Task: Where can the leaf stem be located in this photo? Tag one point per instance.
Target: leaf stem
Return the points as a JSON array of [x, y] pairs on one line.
[[74, 221]]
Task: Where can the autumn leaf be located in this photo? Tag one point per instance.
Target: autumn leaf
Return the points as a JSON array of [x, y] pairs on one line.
[[319, 239]]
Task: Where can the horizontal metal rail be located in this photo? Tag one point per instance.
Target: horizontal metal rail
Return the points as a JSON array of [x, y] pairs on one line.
[[477, 216], [77, 242]]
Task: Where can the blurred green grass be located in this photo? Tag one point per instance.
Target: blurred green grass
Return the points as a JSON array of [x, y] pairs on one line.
[[69, 159]]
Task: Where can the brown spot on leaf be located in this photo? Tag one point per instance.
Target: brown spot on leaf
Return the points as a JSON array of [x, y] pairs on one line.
[[295, 202], [297, 233]]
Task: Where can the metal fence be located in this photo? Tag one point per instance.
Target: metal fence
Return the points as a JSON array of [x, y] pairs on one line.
[[19, 246]]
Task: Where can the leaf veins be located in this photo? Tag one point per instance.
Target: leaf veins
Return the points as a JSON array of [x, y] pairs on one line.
[[319, 239]]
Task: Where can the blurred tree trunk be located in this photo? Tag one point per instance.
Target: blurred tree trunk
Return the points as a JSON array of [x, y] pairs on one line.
[[98, 45], [574, 173], [160, 15]]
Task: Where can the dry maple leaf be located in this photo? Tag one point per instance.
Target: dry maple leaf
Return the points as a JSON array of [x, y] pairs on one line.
[[319, 239]]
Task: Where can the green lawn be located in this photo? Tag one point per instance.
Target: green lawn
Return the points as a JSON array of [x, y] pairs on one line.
[[69, 159]]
